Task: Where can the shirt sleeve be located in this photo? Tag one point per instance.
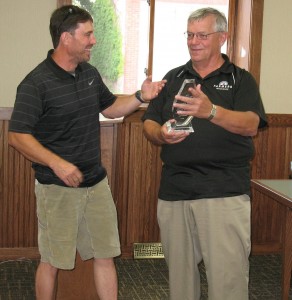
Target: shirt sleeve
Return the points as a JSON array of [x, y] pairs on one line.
[[247, 97], [107, 98], [27, 108]]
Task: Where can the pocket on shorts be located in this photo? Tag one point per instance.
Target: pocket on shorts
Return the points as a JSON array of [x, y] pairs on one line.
[[40, 199]]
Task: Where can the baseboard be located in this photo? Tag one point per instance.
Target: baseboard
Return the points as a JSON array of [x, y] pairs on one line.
[[19, 253], [267, 248]]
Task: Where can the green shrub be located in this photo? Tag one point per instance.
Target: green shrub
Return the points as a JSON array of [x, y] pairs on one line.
[[107, 54]]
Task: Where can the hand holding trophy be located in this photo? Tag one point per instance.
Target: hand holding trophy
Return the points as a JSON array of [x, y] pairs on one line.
[[182, 122]]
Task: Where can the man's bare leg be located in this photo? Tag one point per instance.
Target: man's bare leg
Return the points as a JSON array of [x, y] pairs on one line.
[[45, 283], [105, 278]]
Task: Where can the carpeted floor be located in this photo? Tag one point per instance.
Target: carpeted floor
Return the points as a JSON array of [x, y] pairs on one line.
[[145, 279]]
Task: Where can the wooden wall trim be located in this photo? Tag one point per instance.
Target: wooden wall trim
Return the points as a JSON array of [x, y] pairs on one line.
[[5, 113], [19, 253], [282, 120], [273, 119]]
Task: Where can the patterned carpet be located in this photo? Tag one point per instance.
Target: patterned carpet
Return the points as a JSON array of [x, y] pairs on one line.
[[145, 279]]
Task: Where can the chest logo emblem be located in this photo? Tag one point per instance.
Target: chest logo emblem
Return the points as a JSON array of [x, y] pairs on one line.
[[223, 85], [90, 82]]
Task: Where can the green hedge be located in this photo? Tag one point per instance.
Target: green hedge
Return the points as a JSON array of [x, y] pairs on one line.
[[107, 54]]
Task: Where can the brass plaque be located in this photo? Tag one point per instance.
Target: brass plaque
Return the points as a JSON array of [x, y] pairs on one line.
[[148, 250]]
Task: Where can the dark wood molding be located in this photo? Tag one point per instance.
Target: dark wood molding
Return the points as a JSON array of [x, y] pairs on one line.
[[281, 120], [255, 37], [245, 30], [19, 253]]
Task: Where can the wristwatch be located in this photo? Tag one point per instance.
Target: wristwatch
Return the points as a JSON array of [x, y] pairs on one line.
[[138, 95], [212, 113]]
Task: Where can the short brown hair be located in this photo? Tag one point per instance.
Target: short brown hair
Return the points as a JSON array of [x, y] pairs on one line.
[[66, 18]]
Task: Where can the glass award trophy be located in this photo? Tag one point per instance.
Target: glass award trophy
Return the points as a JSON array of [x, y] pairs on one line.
[[182, 122]]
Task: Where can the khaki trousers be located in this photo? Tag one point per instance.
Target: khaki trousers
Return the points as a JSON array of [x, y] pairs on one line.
[[215, 230]]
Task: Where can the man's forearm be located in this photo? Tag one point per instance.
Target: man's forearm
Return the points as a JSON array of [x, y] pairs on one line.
[[152, 131], [27, 145]]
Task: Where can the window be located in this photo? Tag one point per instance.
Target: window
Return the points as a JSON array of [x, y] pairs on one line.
[[151, 33], [170, 22]]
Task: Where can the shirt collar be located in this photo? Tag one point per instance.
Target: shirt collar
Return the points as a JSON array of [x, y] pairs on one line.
[[227, 67], [61, 73]]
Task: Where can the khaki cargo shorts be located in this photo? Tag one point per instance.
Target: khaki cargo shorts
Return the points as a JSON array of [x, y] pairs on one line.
[[76, 218]]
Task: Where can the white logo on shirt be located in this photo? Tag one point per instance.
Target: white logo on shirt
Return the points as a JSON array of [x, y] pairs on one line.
[[223, 85], [90, 82]]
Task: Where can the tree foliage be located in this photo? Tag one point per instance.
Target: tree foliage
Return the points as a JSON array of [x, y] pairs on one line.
[[107, 54]]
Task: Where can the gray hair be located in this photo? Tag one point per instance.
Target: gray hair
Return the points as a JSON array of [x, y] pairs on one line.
[[221, 21]]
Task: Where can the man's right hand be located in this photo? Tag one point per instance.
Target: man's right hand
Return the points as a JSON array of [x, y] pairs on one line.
[[67, 172], [35, 152]]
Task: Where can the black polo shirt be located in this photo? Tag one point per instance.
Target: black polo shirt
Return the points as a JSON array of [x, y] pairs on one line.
[[211, 162], [61, 110]]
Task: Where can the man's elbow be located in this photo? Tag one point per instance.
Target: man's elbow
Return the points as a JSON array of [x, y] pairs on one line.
[[252, 128], [11, 139], [111, 113], [14, 139], [252, 132]]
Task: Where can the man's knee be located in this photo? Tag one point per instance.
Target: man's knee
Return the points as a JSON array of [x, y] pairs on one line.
[[47, 268], [104, 262]]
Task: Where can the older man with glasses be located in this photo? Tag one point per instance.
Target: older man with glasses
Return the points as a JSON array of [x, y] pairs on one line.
[[205, 131]]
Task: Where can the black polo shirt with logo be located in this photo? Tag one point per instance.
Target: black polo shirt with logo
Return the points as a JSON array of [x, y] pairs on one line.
[[61, 110], [211, 162]]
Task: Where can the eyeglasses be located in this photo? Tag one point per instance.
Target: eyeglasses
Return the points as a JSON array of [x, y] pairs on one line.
[[199, 36], [68, 13]]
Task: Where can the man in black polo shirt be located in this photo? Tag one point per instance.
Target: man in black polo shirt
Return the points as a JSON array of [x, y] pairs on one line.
[[204, 196], [55, 124]]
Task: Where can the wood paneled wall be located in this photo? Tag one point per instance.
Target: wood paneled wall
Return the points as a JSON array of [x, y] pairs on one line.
[[134, 168], [138, 175], [18, 222], [273, 147]]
